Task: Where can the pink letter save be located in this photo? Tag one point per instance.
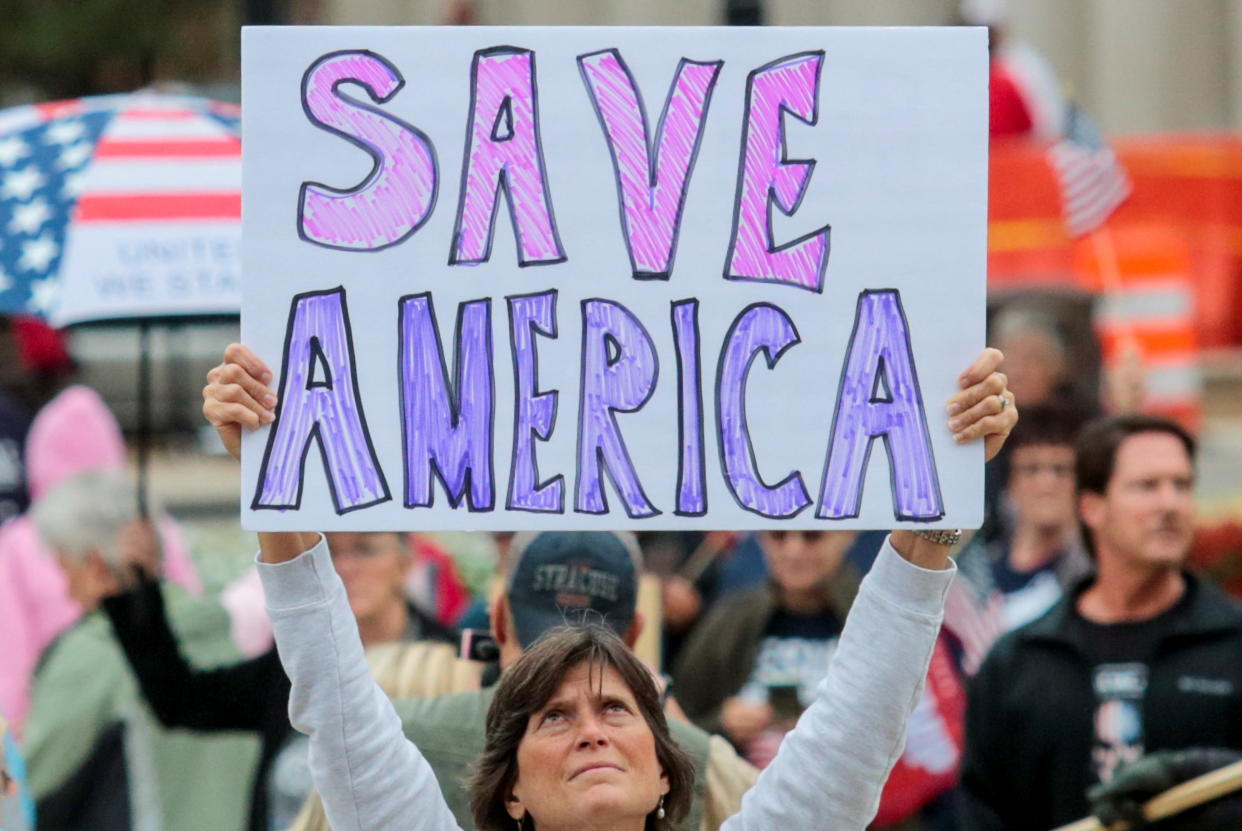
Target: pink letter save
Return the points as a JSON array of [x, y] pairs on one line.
[[400, 192], [503, 153], [767, 179], [651, 183]]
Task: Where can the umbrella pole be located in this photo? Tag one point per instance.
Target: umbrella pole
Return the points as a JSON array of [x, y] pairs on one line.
[[144, 412]]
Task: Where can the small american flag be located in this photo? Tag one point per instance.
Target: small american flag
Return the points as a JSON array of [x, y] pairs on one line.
[[1093, 182], [975, 621]]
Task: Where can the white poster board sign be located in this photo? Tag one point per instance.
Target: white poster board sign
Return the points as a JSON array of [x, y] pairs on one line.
[[613, 277]]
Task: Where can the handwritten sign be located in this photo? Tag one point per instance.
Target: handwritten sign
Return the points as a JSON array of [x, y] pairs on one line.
[[613, 277]]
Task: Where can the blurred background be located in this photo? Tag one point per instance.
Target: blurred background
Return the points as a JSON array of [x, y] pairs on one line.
[[1162, 80], [1115, 231]]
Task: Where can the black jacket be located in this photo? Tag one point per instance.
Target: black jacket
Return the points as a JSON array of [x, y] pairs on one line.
[[1031, 708], [250, 695]]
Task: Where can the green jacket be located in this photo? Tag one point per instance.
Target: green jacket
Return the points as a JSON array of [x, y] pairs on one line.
[[85, 705], [448, 731]]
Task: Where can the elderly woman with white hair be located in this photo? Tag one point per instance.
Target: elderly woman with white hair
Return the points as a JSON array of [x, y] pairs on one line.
[[81, 520], [97, 757], [75, 432], [113, 561]]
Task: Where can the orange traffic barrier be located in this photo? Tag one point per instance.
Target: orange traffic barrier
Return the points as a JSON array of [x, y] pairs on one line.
[[1146, 304], [1189, 186]]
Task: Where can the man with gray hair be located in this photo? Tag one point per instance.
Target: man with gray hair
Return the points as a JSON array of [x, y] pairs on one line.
[[97, 758], [554, 578]]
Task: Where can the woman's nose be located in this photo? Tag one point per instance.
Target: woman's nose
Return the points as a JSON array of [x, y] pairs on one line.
[[591, 732]]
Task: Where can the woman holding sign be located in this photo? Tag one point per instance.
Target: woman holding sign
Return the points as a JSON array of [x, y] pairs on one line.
[[576, 739]]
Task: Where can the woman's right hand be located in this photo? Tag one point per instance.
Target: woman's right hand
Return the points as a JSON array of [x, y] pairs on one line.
[[237, 395]]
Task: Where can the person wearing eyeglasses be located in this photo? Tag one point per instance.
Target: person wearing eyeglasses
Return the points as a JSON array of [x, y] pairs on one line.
[[1015, 571], [754, 662], [752, 666]]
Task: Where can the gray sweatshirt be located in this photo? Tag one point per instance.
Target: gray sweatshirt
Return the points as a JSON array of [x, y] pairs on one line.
[[827, 775]]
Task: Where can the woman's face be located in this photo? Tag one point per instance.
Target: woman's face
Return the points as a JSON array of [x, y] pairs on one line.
[[1033, 365], [373, 567], [588, 759], [800, 561]]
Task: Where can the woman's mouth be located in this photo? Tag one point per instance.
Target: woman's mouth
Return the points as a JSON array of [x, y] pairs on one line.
[[594, 766]]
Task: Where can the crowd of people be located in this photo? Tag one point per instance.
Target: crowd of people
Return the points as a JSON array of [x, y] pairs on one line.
[[1081, 666], [1064, 662], [798, 677]]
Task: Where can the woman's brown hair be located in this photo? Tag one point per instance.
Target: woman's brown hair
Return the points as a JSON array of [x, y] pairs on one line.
[[531, 682]]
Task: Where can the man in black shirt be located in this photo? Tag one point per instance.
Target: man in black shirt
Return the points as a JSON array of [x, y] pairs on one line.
[[1140, 657]]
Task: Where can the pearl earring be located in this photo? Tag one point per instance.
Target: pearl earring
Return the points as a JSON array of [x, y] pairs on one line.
[[660, 808]]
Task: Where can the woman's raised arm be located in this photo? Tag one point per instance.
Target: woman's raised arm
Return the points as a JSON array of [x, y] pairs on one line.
[[831, 769], [370, 776]]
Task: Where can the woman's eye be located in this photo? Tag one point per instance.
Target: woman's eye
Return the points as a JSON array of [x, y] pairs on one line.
[[552, 716], [616, 707]]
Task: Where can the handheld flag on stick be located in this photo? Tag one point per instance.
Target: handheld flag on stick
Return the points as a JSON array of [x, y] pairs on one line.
[[1093, 182]]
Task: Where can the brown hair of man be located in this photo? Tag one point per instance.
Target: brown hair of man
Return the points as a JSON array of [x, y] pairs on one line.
[[530, 683], [1096, 451]]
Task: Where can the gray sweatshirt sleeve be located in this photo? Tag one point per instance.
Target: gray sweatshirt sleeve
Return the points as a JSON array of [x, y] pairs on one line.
[[830, 770], [371, 778]]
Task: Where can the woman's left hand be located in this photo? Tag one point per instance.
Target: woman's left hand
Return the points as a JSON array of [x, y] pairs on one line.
[[985, 407]]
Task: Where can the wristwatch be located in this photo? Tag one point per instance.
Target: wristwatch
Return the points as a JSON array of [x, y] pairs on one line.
[[942, 536]]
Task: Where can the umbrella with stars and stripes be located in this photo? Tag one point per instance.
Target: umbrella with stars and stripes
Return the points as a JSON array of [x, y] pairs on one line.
[[120, 207]]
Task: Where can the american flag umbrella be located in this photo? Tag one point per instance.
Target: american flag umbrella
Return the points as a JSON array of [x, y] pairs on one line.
[[121, 207]]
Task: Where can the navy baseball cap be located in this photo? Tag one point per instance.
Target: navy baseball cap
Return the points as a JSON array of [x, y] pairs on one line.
[[560, 577]]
